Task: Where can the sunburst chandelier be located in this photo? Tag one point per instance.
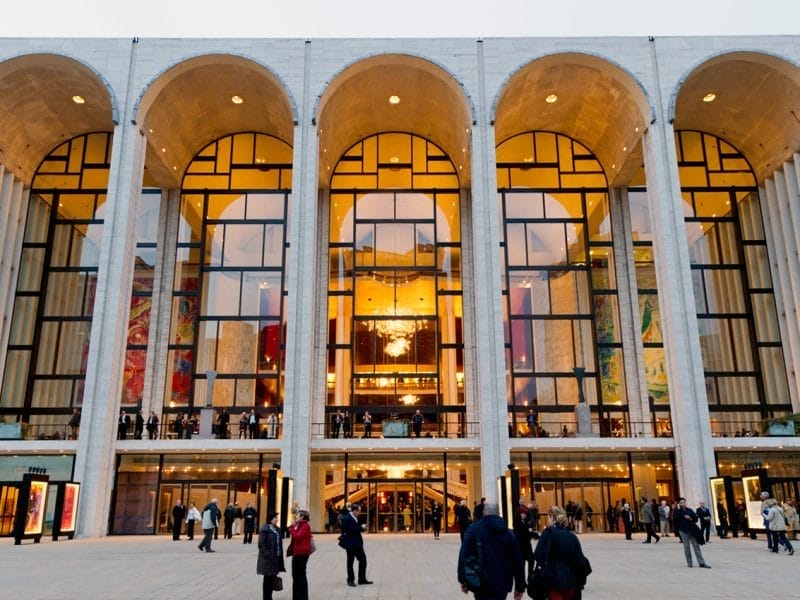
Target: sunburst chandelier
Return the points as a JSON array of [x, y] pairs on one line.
[[396, 332]]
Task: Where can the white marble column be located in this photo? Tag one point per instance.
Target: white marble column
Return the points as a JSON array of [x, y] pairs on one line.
[[489, 388], [13, 209], [95, 459], [304, 369], [688, 403]]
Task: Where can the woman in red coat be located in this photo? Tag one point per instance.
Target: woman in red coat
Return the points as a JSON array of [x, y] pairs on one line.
[[301, 550]]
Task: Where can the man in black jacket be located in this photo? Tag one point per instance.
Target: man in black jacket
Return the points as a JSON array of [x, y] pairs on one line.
[[353, 543], [178, 514], [502, 568], [685, 519]]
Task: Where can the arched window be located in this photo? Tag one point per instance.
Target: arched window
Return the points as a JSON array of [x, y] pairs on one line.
[[49, 343], [228, 313], [394, 289]]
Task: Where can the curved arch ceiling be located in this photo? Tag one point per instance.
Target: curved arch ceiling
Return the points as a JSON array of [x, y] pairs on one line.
[[355, 104], [757, 106], [190, 105], [598, 104], [37, 111]]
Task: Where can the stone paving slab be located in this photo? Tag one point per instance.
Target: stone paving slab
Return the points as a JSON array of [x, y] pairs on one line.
[[403, 567]]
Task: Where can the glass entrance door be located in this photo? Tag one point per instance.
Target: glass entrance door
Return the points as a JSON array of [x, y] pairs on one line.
[[399, 506]]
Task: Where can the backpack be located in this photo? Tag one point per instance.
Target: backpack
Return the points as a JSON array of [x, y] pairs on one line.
[[473, 565]]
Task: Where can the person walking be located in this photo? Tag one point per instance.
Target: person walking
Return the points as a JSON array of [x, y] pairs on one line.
[[502, 569], [626, 514], [777, 527], [192, 515], [436, 519], [792, 517], [270, 554], [302, 547], [522, 534], [353, 543], [463, 518], [704, 519], [250, 518], [764, 512], [178, 513], [685, 519], [647, 518], [210, 521], [561, 551]]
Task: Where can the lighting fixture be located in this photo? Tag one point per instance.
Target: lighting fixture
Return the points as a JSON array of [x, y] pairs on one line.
[[78, 99], [237, 99], [394, 99], [409, 399], [396, 331], [551, 99], [709, 97]]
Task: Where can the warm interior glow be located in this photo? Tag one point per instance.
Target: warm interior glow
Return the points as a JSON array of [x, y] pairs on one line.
[[394, 99], [551, 99], [237, 99], [709, 97], [78, 99]]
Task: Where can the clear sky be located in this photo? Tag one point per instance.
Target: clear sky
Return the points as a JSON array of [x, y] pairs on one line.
[[398, 18]]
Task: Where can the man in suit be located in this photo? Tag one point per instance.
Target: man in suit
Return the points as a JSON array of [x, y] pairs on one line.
[[123, 424], [354, 545], [152, 425], [252, 423], [178, 514]]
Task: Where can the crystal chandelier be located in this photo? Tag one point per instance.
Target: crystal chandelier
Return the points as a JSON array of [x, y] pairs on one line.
[[396, 332]]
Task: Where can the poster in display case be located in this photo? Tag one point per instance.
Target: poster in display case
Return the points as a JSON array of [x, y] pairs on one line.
[[752, 499], [31, 507], [66, 513]]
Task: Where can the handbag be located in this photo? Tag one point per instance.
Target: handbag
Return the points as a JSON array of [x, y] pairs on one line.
[[539, 579], [290, 549], [473, 566], [341, 542], [313, 546], [278, 585]]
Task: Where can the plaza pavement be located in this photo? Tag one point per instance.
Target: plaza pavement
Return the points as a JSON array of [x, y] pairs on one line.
[[404, 566]]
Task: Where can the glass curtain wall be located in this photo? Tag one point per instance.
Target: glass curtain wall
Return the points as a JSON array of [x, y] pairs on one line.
[[49, 338], [739, 337], [394, 293], [228, 310], [559, 287]]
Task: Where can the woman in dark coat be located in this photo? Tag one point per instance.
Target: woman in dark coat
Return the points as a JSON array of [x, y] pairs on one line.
[[270, 554], [560, 549]]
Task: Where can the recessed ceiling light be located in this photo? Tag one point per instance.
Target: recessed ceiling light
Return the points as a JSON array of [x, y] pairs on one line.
[[150, 130], [551, 99], [394, 160], [78, 99], [163, 149], [237, 99], [394, 99], [709, 97]]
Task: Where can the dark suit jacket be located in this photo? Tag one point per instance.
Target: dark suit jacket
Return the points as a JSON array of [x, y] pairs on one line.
[[351, 530]]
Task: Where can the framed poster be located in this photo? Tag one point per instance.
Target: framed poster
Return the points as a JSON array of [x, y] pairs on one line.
[[69, 508], [752, 499], [34, 519]]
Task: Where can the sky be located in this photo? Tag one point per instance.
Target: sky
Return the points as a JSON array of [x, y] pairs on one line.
[[398, 18]]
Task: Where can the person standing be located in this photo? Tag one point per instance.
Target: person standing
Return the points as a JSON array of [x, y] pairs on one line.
[[626, 514], [532, 423], [463, 518], [250, 518], [777, 527], [367, 419], [522, 534], [561, 550], [722, 514], [210, 522], [178, 514], [237, 519], [74, 423], [252, 424], [646, 517], [192, 515], [663, 516], [272, 426], [243, 426], [302, 548], [740, 518], [138, 425], [152, 425], [578, 517], [684, 519], [792, 517], [224, 422], [347, 425], [704, 519], [416, 422], [228, 517], [353, 543], [123, 423], [502, 569], [478, 512], [270, 554], [337, 423], [436, 519]]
